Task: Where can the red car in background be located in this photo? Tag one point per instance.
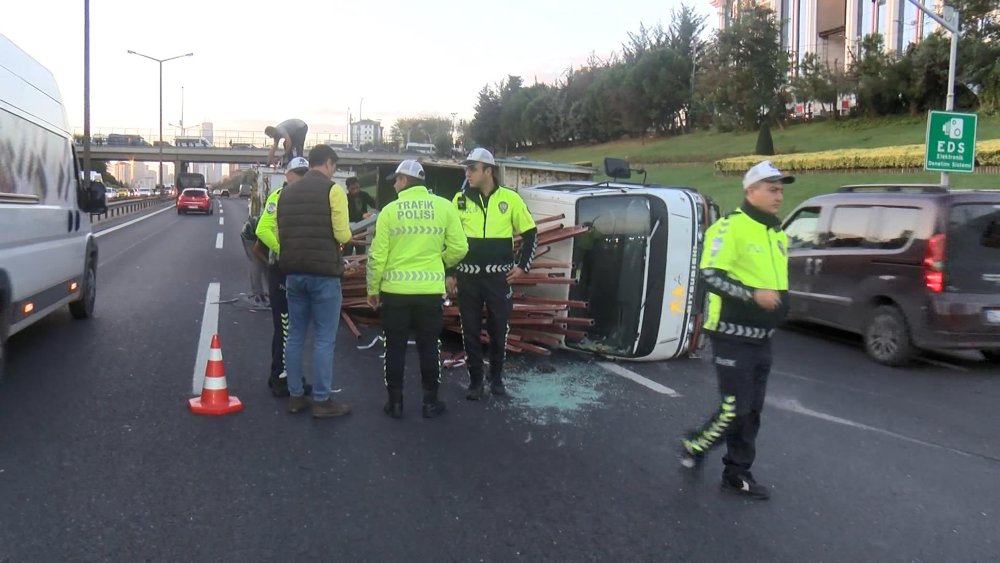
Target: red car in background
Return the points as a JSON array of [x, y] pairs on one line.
[[194, 199]]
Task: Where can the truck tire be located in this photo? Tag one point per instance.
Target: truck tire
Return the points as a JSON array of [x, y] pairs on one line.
[[992, 356], [887, 337], [83, 308]]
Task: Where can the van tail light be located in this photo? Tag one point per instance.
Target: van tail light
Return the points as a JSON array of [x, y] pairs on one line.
[[934, 263]]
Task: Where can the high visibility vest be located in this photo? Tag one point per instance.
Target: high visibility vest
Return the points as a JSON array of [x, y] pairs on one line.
[[416, 237]]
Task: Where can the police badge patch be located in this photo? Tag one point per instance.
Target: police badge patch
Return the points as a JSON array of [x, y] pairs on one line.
[[503, 207], [271, 207]]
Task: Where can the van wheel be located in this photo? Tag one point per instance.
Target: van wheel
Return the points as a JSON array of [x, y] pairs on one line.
[[887, 338], [992, 356], [83, 308]]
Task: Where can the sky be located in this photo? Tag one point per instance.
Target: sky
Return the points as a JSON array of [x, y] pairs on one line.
[[257, 63]]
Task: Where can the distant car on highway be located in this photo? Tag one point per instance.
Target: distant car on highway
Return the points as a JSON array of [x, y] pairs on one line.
[[224, 192], [145, 192], [908, 267], [110, 193], [194, 199]]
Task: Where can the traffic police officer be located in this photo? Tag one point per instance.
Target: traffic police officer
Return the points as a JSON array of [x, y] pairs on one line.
[[406, 266], [267, 233], [745, 268], [491, 216]]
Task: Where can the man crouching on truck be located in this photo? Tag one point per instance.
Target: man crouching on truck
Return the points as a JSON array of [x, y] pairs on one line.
[[745, 268]]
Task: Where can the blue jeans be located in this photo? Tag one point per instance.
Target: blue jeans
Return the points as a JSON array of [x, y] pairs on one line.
[[316, 299]]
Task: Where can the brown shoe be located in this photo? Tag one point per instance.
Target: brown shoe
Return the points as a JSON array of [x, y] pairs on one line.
[[297, 404], [329, 408]]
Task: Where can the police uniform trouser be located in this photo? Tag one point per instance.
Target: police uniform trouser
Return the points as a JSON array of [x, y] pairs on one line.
[[279, 318], [473, 292], [421, 314], [742, 369]]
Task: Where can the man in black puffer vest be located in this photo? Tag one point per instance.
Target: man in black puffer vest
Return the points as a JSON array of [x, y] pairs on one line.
[[312, 224]]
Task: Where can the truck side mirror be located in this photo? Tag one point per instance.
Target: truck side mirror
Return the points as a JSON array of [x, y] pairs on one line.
[[616, 168]]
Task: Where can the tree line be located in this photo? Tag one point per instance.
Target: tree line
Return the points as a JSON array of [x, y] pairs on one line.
[[669, 81]]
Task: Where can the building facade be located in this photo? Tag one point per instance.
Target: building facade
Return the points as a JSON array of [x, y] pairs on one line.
[[366, 132], [833, 29]]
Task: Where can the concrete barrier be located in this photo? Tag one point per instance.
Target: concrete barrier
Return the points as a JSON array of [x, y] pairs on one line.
[[127, 207]]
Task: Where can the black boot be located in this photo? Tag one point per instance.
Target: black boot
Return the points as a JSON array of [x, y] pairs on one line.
[[394, 405], [475, 390], [433, 407], [278, 386], [497, 387]]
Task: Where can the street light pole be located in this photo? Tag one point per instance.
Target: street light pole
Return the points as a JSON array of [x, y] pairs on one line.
[[160, 62]]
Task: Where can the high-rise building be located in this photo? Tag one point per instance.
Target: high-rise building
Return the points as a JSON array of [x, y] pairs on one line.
[[366, 132], [208, 131], [833, 29]]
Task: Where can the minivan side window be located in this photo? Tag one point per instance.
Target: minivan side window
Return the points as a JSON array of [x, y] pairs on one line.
[[848, 227], [803, 229], [894, 228]]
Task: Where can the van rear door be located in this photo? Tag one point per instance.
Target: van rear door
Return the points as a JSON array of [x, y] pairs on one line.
[[972, 248]]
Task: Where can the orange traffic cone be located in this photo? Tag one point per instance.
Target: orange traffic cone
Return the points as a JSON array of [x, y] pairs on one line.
[[215, 397]]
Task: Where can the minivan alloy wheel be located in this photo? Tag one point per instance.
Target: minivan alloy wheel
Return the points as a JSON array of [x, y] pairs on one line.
[[887, 337]]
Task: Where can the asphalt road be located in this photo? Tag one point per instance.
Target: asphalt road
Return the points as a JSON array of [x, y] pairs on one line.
[[101, 461]]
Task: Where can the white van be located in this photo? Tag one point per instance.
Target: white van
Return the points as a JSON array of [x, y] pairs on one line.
[[635, 266], [48, 256]]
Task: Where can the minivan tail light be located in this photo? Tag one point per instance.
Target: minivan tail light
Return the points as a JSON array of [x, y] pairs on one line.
[[934, 263]]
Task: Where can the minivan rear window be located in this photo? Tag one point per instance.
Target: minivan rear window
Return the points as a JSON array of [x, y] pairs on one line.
[[972, 252], [893, 228]]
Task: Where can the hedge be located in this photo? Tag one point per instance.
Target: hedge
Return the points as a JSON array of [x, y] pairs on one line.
[[903, 156]]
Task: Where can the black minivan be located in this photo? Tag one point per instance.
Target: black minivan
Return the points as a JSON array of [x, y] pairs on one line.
[[905, 266]]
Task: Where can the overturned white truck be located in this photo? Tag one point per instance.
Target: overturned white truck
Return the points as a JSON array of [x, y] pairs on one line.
[[635, 267]]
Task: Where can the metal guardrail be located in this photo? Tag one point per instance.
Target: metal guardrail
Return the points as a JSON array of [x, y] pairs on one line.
[[128, 206]]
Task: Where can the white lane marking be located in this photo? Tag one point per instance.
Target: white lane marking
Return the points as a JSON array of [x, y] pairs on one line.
[[209, 326], [222, 221], [221, 210], [218, 240], [629, 374], [793, 405], [133, 221], [941, 364]]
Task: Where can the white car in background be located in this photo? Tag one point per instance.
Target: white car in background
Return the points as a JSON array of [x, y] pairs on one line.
[[145, 192]]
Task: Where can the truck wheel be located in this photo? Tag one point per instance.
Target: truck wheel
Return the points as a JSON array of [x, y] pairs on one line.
[[992, 356], [887, 338], [83, 308]]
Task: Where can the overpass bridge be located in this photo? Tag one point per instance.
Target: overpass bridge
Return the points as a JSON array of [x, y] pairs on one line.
[[516, 172]]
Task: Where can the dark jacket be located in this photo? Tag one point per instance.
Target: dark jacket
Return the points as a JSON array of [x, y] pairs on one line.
[[305, 227]]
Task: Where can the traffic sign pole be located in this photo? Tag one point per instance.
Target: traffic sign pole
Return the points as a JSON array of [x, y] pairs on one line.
[[949, 22]]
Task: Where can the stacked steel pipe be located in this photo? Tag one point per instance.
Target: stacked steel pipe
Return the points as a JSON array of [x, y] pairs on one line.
[[536, 324]]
